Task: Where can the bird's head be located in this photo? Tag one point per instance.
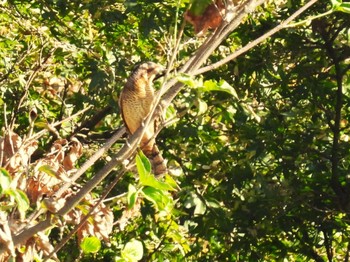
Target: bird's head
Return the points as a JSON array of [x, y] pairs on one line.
[[147, 70]]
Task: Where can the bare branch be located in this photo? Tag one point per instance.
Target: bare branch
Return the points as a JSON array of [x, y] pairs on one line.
[[42, 132]]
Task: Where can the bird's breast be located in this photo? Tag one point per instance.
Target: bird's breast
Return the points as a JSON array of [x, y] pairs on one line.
[[136, 105]]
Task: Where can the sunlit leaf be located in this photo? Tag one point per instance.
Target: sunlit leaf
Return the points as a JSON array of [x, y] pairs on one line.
[[5, 180], [132, 195], [344, 7], [202, 106], [90, 245], [335, 3], [187, 80], [133, 251], [193, 200], [21, 200], [157, 197], [48, 170], [222, 86], [146, 178], [151, 181], [171, 181], [143, 165]]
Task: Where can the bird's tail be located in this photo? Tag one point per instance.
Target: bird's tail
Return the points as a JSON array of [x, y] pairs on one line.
[[157, 160]]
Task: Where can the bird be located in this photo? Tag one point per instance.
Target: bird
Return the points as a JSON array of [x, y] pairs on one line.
[[135, 102]]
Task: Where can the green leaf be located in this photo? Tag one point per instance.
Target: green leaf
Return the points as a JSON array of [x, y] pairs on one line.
[[194, 201], [48, 170], [199, 6], [151, 181], [344, 7], [222, 86], [170, 181], [5, 180], [338, 5], [146, 178], [143, 165], [157, 197], [90, 245], [132, 195], [202, 106], [22, 80], [21, 200], [133, 251], [187, 80], [335, 4], [41, 124]]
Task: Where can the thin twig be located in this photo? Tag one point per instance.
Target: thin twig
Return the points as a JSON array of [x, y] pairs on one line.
[[31, 77], [42, 132]]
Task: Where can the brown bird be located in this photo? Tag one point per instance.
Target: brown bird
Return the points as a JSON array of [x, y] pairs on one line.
[[135, 102]]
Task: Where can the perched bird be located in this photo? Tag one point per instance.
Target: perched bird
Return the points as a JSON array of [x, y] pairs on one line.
[[135, 102]]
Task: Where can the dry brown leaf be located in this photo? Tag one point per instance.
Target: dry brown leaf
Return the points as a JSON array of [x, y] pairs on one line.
[[210, 19], [43, 244], [14, 152], [100, 223], [57, 150], [29, 252], [75, 152], [49, 173], [5, 234], [45, 177], [9, 144], [45, 180], [103, 222], [129, 214]]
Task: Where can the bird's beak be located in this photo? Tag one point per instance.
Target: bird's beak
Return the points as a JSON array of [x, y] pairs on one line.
[[159, 72]]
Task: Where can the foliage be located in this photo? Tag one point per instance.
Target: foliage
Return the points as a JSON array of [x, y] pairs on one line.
[[258, 154]]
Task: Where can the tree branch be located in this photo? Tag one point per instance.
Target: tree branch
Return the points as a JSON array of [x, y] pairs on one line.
[[328, 245], [339, 190], [86, 126]]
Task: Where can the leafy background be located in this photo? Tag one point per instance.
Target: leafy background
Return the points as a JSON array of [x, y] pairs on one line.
[[259, 149]]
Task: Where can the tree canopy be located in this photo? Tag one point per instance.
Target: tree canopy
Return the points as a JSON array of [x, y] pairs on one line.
[[256, 105]]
